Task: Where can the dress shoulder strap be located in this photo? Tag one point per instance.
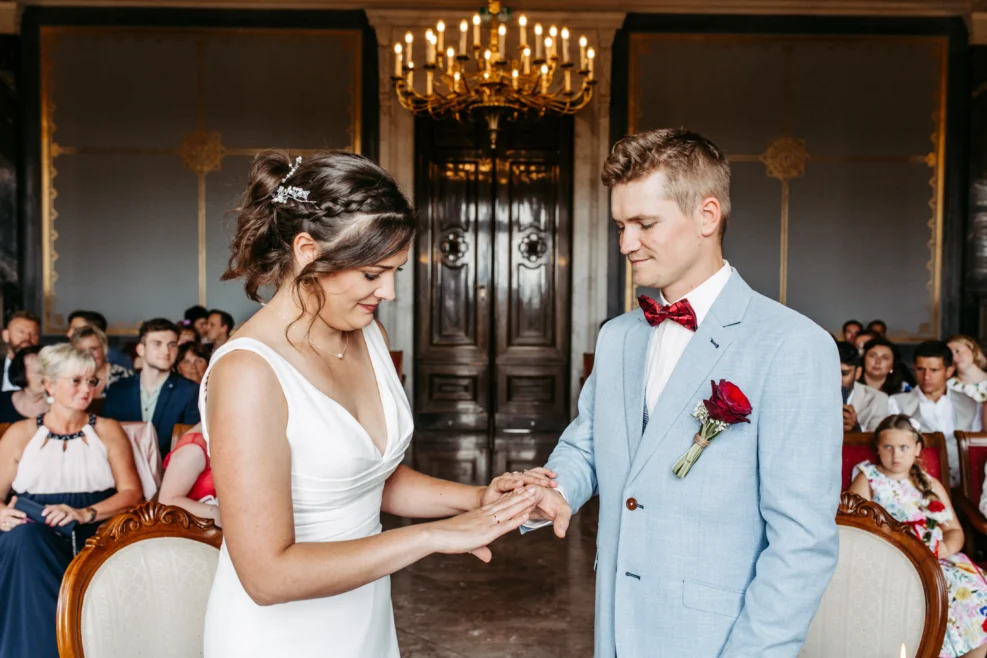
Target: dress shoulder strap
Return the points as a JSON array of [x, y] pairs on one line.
[[281, 368]]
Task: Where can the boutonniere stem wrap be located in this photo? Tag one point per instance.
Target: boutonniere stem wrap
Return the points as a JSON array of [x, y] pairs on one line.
[[725, 407]]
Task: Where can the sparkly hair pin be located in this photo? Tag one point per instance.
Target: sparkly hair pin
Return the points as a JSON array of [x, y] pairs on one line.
[[284, 193]]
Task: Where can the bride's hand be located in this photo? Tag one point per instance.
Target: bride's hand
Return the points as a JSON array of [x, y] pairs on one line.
[[472, 531], [508, 482]]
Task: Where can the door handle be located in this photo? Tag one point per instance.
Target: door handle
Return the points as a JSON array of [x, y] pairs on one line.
[[481, 293]]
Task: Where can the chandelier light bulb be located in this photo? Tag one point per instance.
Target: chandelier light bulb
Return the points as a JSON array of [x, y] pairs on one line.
[[583, 42], [553, 32], [538, 29], [502, 30], [450, 52], [476, 19], [565, 33], [527, 52], [486, 54], [409, 37], [397, 48], [591, 53], [544, 69], [463, 26], [441, 27], [523, 21], [548, 43]]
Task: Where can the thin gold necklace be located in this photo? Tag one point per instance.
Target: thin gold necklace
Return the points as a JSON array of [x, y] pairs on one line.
[[339, 355]]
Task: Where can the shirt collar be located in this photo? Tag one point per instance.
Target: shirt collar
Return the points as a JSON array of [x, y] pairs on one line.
[[702, 297], [922, 398]]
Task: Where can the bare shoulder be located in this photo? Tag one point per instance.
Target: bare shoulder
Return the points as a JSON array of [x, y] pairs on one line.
[[383, 331], [860, 486], [937, 488], [19, 433], [243, 392], [109, 429]]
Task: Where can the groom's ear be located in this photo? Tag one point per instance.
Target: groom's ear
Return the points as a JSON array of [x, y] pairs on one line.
[[711, 215]]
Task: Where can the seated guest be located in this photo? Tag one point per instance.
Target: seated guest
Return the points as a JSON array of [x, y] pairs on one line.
[[898, 483], [192, 362], [863, 407], [878, 327], [80, 319], [934, 406], [187, 334], [862, 338], [187, 479], [198, 318], [220, 328], [30, 400], [158, 395], [92, 340], [80, 470], [850, 330], [969, 361], [879, 359], [23, 330]]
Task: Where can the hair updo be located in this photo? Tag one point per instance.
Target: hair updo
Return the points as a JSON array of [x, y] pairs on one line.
[[354, 210]]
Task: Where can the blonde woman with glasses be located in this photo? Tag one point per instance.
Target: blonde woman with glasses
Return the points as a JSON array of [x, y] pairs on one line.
[[60, 475]]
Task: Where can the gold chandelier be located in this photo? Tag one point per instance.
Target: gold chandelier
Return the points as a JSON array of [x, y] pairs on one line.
[[477, 82]]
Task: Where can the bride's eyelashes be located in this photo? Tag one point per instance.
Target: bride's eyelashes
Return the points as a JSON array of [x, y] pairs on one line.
[[373, 277]]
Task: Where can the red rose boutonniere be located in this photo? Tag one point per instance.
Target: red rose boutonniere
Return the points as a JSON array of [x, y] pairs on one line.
[[725, 407]]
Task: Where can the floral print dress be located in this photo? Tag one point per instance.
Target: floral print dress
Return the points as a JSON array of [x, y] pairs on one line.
[[966, 623]]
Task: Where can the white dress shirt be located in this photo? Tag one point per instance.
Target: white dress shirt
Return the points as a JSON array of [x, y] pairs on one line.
[[941, 417], [669, 339], [7, 386]]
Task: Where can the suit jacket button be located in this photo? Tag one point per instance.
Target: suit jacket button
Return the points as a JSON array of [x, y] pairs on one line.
[[631, 504]]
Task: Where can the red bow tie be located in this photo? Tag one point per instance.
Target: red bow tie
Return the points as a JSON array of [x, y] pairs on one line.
[[681, 312]]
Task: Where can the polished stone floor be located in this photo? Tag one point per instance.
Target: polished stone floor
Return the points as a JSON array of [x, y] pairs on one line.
[[534, 600]]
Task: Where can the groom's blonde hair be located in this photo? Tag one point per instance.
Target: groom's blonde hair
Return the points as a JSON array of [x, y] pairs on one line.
[[694, 167]]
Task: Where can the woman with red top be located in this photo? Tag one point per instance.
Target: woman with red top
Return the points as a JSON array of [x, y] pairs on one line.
[[188, 477]]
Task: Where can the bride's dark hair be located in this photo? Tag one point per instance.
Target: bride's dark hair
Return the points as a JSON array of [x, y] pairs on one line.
[[354, 210]]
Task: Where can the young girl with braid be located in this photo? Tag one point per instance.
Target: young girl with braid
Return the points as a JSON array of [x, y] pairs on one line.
[[900, 485]]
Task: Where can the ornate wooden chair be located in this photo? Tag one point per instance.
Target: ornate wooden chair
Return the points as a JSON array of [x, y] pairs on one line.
[[857, 448], [888, 590], [966, 500], [140, 586]]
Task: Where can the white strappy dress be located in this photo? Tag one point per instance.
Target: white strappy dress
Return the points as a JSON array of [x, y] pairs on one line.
[[337, 481]]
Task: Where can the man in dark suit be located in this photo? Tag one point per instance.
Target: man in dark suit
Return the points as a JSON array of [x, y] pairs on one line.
[[158, 395]]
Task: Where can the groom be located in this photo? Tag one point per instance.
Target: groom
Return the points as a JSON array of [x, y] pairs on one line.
[[733, 558]]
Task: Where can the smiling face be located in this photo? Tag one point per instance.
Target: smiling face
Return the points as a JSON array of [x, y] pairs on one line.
[[352, 296], [666, 247]]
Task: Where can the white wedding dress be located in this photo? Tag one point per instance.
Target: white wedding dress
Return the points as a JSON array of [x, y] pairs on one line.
[[337, 480]]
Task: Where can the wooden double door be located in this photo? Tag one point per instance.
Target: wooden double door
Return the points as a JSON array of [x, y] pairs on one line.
[[493, 296]]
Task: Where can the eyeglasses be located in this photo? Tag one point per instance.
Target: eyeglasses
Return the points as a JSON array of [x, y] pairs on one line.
[[78, 382]]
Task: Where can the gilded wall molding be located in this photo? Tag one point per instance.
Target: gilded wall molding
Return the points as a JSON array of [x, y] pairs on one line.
[[786, 157], [201, 151]]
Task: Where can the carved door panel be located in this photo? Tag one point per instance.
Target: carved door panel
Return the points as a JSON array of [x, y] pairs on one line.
[[492, 282]]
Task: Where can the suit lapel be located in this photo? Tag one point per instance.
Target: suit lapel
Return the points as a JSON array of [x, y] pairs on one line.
[[635, 369], [717, 331], [163, 398]]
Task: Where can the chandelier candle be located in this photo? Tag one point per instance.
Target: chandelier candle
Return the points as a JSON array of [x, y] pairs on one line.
[[494, 81]]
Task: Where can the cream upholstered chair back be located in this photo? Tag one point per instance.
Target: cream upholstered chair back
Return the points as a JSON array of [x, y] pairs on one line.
[[888, 590], [140, 587]]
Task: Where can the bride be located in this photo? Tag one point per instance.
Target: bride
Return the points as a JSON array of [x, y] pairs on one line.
[[307, 425]]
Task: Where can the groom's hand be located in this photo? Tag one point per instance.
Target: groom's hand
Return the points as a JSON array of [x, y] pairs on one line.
[[551, 505], [509, 482]]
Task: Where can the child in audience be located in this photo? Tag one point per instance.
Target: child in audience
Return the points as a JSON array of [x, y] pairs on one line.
[[187, 479], [900, 485]]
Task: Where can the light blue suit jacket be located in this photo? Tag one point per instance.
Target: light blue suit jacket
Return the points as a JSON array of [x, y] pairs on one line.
[[733, 559]]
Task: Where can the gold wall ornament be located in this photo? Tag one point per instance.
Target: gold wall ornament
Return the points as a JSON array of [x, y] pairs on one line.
[[202, 151], [508, 79], [785, 158]]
